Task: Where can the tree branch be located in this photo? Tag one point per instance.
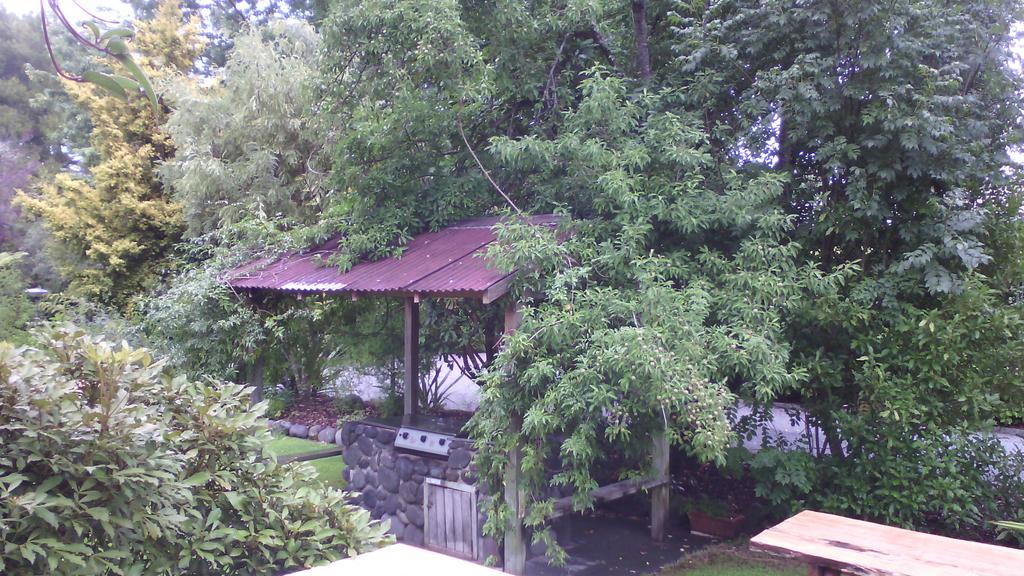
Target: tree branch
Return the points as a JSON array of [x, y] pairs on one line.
[[484, 170], [601, 43]]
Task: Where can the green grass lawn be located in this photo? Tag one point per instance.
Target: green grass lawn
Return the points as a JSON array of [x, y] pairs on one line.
[[328, 469], [726, 560], [288, 446]]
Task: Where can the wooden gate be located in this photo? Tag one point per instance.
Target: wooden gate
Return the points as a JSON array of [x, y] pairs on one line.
[[450, 518]]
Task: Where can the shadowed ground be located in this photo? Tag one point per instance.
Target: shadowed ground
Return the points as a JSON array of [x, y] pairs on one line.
[[615, 540]]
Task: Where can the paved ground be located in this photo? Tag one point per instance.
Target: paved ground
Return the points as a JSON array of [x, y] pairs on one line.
[[787, 421], [616, 541], [464, 394]]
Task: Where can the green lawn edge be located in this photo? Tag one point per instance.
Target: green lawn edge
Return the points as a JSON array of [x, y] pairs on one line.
[[328, 469]]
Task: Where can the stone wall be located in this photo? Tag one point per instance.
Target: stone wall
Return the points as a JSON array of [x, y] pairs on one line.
[[327, 434], [390, 482]]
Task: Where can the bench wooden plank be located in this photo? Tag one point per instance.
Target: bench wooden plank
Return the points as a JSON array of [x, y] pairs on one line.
[[608, 493], [869, 549]]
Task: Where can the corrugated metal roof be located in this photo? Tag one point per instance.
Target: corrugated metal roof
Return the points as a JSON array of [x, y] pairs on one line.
[[449, 262]]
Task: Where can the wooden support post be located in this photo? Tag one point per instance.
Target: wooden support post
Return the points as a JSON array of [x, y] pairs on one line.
[[490, 340], [412, 356], [515, 535], [512, 317], [660, 493], [253, 374], [255, 380]]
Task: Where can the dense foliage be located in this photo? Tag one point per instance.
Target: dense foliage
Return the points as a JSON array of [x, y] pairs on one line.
[[892, 121], [760, 200], [955, 484], [29, 120], [865, 266], [246, 146], [202, 325], [17, 122], [224, 20], [40, 131], [247, 172], [112, 464], [17, 167], [645, 318]]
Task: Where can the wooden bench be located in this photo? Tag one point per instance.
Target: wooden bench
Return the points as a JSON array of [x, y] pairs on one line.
[[833, 545]]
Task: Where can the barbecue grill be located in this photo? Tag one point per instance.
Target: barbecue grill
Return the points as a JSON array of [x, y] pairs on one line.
[[425, 434]]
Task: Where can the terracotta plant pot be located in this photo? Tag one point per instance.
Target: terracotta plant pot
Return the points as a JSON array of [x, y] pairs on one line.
[[724, 528]]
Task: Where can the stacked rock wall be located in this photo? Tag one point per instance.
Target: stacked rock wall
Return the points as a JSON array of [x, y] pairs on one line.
[[327, 434], [390, 482]]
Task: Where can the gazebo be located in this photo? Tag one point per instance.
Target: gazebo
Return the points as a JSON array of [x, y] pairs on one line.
[[417, 472]]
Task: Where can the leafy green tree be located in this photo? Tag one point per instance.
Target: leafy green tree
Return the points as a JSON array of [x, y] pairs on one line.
[[249, 145], [38, 133], [17, 166], [30, 116], [454, 110], [422, 87], [892, 122], [673, 287], [892, 118], [250, 167], [19, 48], [834, 177], [112, 464], [114, 229], [222, 21], [15, 308]]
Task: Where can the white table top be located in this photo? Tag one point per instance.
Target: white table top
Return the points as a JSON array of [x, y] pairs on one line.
[[400, 559]]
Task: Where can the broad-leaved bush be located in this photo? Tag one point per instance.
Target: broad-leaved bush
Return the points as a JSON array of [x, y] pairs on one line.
[[956, 482], [111, 464]]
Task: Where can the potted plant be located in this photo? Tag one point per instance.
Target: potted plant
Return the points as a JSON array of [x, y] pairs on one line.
[[715, 518]]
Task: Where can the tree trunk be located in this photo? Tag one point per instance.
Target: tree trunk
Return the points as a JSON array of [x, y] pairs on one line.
[[832, 437], [641, 37]]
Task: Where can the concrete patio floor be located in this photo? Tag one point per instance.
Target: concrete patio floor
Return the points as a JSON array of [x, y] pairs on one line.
[[615, 540]]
